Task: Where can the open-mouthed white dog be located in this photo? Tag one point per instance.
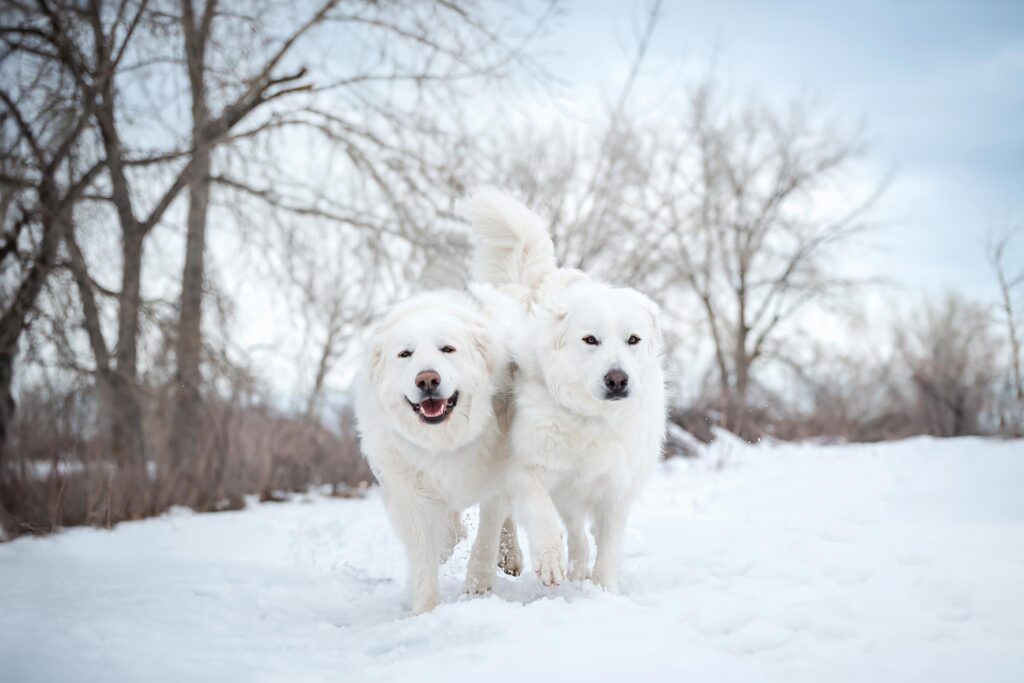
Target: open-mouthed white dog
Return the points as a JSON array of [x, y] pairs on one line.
[[590, 395], [433, 408]]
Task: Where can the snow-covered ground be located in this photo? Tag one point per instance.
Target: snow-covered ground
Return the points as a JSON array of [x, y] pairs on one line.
[[798, 563]]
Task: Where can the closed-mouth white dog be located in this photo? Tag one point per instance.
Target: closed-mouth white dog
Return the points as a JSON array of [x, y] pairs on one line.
[[433, 407], [590, 395]]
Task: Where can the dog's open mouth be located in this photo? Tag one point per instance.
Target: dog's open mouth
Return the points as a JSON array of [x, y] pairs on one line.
[[435, 410]]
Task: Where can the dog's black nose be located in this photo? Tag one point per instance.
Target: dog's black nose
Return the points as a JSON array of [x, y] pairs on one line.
[[616, 381], [428, 381]]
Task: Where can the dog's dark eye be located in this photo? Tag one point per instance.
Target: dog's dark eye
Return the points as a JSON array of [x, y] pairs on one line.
[[447, 349], [591, 339], [633, 340], [405, 354]]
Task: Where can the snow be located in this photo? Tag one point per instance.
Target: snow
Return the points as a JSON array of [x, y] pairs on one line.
[[901, 561]]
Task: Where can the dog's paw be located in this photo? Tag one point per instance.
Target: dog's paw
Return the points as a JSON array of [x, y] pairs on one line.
[[578, 571], [422, 605], [478, 581], [510, 556], [510, 560], [609, 584], [551, 568]]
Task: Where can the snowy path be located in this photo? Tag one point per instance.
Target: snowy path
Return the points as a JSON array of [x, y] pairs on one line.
[[798, 563]]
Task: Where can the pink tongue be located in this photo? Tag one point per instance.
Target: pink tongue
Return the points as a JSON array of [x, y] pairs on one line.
[[432, 407]]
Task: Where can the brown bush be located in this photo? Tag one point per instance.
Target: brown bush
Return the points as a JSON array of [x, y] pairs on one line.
[[58, 470]]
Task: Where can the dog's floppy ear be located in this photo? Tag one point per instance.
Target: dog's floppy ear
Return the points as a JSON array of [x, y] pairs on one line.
[[559, 313], [376, 360], [376, 348], [550, 300], [480, 341], [654, 312]]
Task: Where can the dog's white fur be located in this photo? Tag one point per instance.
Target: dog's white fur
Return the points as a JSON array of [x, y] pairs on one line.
[[429, 473], [575, 453]]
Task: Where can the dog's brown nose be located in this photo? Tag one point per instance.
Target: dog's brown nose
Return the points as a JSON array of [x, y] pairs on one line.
[[428, 380], [616, 380]]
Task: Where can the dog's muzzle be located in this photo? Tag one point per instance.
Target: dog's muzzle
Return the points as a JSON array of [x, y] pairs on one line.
[[434, 409]]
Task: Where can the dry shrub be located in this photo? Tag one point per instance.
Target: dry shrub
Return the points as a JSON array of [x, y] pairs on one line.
[[255, 450], [57, 470]]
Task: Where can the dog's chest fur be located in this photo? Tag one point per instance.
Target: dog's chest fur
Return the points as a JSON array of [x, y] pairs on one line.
[[583, 448], [458, 477]]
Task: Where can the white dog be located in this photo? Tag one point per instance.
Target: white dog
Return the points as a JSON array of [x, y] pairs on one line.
[[433, 409], [590, 395]]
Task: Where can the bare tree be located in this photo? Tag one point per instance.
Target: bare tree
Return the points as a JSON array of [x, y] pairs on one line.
[[208, 128], [949, 354], [44, 173], [734, 208], [88, 45], [1009, 284]]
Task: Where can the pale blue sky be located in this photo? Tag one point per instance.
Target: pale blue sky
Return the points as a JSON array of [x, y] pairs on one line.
[[939, 85]]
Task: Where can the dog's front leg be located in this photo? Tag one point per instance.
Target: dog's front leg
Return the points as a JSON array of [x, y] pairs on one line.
[[420, 524], [610, 528], [575, 518], [455, 533], [484, 556], [533, 508]]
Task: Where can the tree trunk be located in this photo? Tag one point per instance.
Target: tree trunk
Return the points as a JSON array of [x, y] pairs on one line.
[[130, 304], [740, 398], [185, 428], [188, 401], [124, 409], [123, 413], [12, 325], [13, 322], [6, 398], [741, 361], [8, 525]]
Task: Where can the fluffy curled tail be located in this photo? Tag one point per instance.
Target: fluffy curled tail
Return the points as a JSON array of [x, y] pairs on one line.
[[514, 250]]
